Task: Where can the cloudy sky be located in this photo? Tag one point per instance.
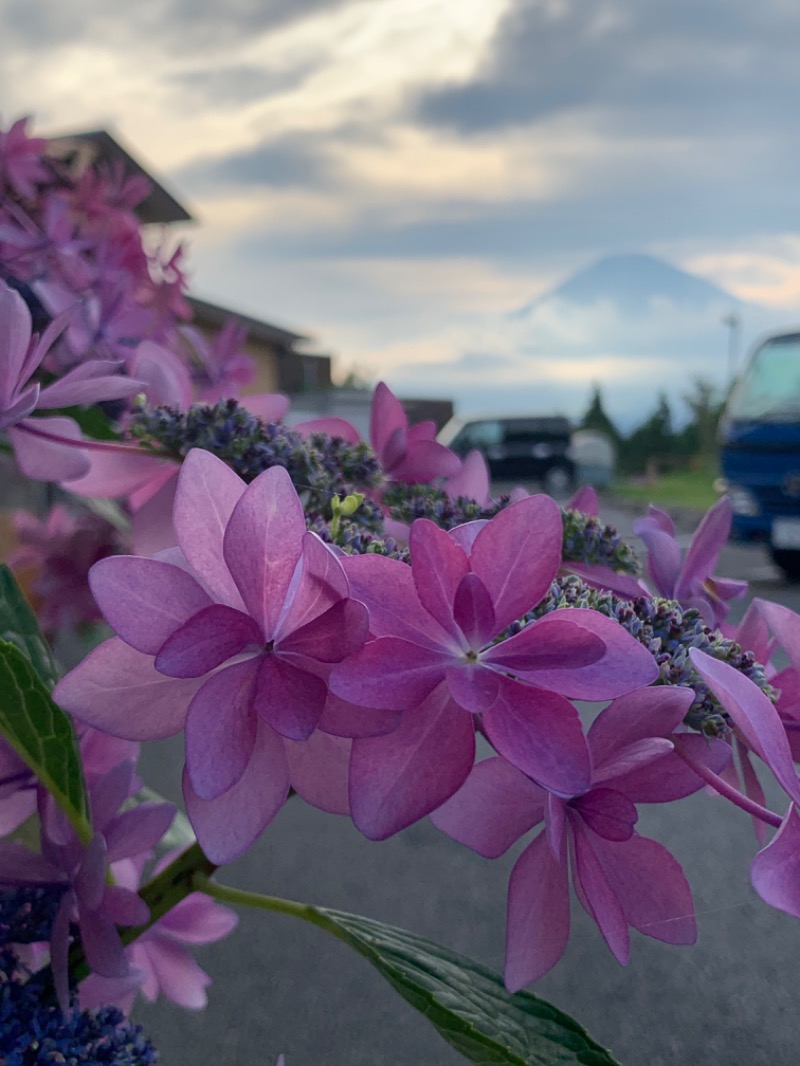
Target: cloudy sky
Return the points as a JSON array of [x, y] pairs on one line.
[[396, 176]]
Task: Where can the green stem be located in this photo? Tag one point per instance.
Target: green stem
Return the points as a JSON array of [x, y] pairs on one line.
[[239, 898]]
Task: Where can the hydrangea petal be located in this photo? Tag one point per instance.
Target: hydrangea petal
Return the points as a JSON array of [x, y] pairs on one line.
[[541, 734], [397, 779], [318, 585], [492, 809], [651, 887], [775, 871], [40, 450], [145, 600], [207, 492], [179, 976], [473, 611], [438, 565], [330, 637], [221, 730], [596, 893], [647, 712], [517, 554], [117, 689], [550, 644], [197, 919], [390, 673], [208, 639], [137, 830], [227, 826], [472, 686], [343, 719], [709, 539], [538, 914], [262, 544], [754, 716], [288, 698], [626, 664], [319, 769], [386, 587]]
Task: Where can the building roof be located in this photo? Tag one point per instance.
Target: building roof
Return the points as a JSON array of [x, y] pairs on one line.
[[257, 330], [99, 146]]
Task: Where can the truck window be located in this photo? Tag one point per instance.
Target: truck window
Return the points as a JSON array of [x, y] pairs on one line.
[[769, 390]]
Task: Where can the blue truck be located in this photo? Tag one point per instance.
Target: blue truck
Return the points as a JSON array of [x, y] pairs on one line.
[[759, 438]]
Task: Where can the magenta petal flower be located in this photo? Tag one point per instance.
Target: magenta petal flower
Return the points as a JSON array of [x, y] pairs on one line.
[[407, 453], [97, 906], [227, 825], [620, 878], [159, 959], [691, 582], [753, 715], [243, 623], [775, 871]]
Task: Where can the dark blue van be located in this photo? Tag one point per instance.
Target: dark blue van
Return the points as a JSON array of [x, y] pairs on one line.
[[760, 450]]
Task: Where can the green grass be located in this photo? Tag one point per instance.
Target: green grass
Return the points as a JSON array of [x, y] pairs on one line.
[[685, 488]]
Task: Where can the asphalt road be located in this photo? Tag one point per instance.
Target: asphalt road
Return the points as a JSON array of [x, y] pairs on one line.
[[283, 986]]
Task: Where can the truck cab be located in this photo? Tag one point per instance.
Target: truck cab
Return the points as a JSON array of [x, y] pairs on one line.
[[759, 440]]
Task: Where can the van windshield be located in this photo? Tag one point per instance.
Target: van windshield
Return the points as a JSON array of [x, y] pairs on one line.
[[769, 389]]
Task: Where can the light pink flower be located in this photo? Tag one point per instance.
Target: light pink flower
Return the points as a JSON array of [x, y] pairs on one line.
[[234, 635], [442, 655], [621, 878], [407, 453], [689, 580], [88, 898], [160, 961]]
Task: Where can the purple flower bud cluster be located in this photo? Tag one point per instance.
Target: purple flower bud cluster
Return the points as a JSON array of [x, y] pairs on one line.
[[35, 1032], [355, 539], [589, 540], [344, 463], [407, 502], [227, 430], [320, 467], [27, 913], [668, 631]]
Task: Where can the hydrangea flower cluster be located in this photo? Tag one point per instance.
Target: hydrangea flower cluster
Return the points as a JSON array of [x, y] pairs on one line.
[[334, 619]]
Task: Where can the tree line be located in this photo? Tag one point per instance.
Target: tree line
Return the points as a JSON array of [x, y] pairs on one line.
[[657, 445]]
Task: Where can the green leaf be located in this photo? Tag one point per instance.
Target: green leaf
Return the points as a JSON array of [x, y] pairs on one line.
[[19, 626], [42, 735], [465, 1001]]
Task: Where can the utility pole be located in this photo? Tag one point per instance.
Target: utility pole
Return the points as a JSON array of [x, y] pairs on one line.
[[732, 323]]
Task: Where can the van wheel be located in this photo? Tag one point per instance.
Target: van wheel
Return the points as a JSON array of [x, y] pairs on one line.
[[787, 560]]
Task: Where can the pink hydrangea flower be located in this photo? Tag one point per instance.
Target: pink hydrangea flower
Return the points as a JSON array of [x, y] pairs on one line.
[[233, 636], [442, 654], [21, 166], [407, 453], [160, 961], [775, 871], [689, 580], [54, 556], [622, 879], [46, 448], [88, 898]]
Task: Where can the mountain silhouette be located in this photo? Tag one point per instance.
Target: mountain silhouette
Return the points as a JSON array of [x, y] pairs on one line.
[[633, 283]]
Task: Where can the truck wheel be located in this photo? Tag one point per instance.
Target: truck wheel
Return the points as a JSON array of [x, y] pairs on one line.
[[788, 560]]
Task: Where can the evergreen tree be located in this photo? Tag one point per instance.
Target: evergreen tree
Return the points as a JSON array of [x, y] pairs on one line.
[[597, 419], [653, 442]]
